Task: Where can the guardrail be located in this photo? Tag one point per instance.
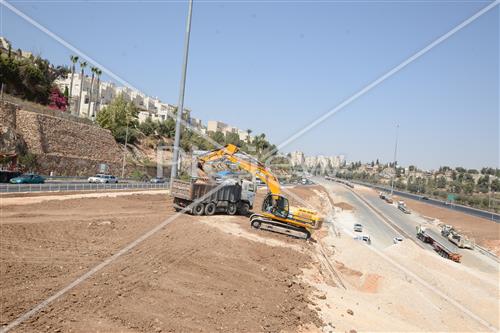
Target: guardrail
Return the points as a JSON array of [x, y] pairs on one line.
[[56, 187]]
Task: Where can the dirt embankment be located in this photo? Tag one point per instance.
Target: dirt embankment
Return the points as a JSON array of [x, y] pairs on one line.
[[190, 276], [486, 233]]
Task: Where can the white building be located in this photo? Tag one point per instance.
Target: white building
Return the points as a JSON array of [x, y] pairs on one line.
[[297, 158], [216, 126]]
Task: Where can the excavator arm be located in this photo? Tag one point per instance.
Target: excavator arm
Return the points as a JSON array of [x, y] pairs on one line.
[[245, 162]]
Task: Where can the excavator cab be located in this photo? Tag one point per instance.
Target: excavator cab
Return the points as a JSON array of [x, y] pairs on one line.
[[276, 205]]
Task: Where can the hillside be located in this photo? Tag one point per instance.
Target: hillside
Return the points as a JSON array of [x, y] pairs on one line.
[[63, 144]]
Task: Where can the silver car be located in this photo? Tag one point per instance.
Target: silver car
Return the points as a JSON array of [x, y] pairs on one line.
[[101, 178]]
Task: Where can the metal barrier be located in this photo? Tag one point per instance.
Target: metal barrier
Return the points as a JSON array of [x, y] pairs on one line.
[[66, 187]]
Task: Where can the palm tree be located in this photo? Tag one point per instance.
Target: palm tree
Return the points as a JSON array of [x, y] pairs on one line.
[[248, 135], [74, 60], [98, 73], [83, 64], [93, 69]]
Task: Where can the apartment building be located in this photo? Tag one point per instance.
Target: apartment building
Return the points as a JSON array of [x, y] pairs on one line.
[[218, 126]]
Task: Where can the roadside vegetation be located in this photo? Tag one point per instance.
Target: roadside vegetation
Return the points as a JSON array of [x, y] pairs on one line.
[[471, 187], [31, 77]]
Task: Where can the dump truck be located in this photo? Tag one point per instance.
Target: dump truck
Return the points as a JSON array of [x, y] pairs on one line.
[[402, 207], [456, 238], [439, 247], [231, 197]]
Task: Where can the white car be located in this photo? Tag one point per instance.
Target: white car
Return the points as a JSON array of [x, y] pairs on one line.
[[102, 179], [397, 240], [358, 227]]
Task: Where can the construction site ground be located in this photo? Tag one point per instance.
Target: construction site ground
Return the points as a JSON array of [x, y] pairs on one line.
[[217, 274]]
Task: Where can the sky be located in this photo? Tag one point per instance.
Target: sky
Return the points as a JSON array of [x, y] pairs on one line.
[[276, 66]]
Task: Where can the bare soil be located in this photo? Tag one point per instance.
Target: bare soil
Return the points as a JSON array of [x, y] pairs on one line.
[[190, 276]]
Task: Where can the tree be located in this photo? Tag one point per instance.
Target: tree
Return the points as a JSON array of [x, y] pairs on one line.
[[148, 127], [167, 128], [74, 60], [98, 96], [93, 69], [57, 100], [495, 185], [249, 131], [473, 171], [441, 182], [119, 116], [217, 137], [83, 64], [483, 184], [232, 138], [66, 93], [28, 161], [460, 169]]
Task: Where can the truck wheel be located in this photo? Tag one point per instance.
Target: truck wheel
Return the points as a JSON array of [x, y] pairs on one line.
[[244, 209], [210, 208], [198, 209], [232, 208]]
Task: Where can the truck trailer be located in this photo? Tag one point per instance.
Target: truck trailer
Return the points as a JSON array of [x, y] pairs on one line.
[[230, 197], [439, 247]]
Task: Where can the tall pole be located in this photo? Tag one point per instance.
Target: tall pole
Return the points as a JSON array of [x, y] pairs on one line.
[[394, 162], [180, 106]]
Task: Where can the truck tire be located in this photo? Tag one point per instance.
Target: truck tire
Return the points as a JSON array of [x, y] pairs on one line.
[[210, 208], [244, 209], [232, 208], [198, 209]]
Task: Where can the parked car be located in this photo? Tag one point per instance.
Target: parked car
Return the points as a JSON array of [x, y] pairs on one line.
[[396, 240], [388, 199], [382, 195], [28, 178], [101, 178], [425, 198], [358, 227], [157, 180]]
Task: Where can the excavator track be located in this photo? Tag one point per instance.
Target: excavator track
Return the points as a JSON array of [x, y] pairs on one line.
[[261, 222]]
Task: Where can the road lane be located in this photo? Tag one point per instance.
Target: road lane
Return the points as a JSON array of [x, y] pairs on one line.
[[381, 234], [409, 222]]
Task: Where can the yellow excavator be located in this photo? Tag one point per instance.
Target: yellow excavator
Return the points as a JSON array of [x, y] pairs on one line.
[[277, 215]]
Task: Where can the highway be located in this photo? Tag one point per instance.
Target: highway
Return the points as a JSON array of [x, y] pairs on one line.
[[464, 209], [383, 222]]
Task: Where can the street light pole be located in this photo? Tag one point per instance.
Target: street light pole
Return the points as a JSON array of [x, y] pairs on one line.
[[394, 162], [180, 106]]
